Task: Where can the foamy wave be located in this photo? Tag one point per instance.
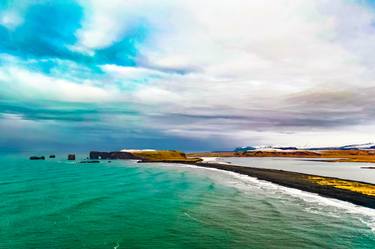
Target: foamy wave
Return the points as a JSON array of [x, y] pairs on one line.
[[317, 204]]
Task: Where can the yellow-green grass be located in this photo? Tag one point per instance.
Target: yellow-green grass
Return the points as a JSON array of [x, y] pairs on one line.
[[363, 188], [160, 155], [356, 160]]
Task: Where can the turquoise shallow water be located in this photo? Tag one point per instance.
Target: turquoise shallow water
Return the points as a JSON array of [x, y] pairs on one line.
[[122, 204]]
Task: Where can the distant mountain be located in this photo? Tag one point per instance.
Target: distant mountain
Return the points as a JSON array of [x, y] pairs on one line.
[[263, 148], [287, 148], [243, 149], [365, 146]]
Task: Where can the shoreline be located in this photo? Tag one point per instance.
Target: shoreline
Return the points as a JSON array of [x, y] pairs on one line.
[[359, 193], [356, 192]]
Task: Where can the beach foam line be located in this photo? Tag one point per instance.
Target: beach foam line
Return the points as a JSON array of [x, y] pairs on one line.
[[364, 214]]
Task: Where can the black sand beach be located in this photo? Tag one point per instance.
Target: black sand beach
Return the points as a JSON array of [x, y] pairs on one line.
[[305, 182], [302, 182]]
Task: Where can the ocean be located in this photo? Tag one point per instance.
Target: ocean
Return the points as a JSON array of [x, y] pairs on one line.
[[123, 204]]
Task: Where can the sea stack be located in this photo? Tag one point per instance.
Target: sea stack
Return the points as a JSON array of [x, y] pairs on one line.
[[71, 157], [37, 158]]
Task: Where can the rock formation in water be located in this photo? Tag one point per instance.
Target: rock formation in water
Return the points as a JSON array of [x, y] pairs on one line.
[[37, 158], [71, 157], [90, 161]]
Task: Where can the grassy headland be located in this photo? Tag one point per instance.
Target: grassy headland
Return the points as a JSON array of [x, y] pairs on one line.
[[164, 156], [144, 156]]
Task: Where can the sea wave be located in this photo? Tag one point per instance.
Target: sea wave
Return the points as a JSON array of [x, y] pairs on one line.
[[315, 203]]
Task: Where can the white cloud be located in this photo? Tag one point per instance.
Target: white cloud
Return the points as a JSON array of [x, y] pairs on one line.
[[22, 83], [231, 68], [12, 15], [132, 73], [10, 19], [108, 21], [249, 59]]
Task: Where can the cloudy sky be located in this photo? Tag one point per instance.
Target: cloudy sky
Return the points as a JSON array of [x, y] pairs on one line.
[[187, 74]]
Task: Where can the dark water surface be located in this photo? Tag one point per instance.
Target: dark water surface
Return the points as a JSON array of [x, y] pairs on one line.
[[122, 204]]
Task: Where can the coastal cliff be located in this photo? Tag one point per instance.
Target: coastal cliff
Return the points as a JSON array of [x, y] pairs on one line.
[[95, 155], [145, 156]]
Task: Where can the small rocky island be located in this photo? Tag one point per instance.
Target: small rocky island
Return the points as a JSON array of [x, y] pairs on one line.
[[37, 158]]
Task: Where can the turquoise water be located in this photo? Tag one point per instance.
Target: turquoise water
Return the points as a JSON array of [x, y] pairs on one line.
[[122, 204]]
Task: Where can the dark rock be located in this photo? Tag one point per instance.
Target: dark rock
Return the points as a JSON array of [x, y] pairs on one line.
[[52, 156], [37, 158], [244, 149], [287, 148], [111, 155], [71, 157]]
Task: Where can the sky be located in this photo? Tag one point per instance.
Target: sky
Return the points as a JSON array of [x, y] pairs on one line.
[[190, 74]]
